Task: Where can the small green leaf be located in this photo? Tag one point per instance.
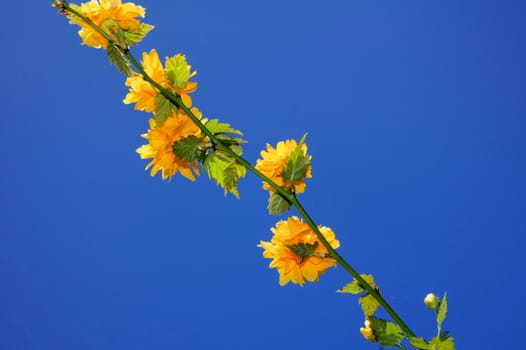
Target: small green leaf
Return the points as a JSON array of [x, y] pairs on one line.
[[369, 304], [352, 288], [189, 149], [118, 60], [277, 205], [297, 164], [178, 70], [388, 333], [355, 288], [419, 343], [442, 312], [224, 171], [163, 109], [446, 344], [133, 37], [216, 127], [304, 250]]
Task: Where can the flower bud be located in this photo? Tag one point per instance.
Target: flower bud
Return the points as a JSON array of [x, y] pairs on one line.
[[431, 301], [367, 331]]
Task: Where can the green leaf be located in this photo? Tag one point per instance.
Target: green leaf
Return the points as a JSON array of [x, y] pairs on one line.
[[216, 127], [355, 288], [438, 344], [352, 288], [189, 149], [304, 250], [388, 333], [224, 171], [163, 109], [447, 344], [419, 343], [442, 312], [369, 304], [118, 60], [132, 37], [297, 163], [277, 205], [178, 70]]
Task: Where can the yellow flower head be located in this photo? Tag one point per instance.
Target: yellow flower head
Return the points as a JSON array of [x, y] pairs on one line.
[[142, 92], [174, 78], [160, 145], [110, 15], [273, 162], [297, 253]]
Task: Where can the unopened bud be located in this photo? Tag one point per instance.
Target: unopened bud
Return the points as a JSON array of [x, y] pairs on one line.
[[367, 331], [431, 301]]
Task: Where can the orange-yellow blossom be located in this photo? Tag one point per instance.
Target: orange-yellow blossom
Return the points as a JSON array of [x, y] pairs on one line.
[[273, 162], [160, 145], [110, 15], [290, 235], [144, 94]]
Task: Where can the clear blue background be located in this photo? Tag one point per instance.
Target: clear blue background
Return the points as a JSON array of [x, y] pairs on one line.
[[415, 113]]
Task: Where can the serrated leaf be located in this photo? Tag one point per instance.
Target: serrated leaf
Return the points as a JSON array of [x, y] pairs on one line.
[[352, 288], [132, 37], [297, 164], [163, 109], [355, 288], [442, 312], [216, 127], [189, 149], [387, 333], [178, 70], [118, 60], [446, 344], [419, 343], [224, 171], [369, 304], [277, 205], [370, 280]]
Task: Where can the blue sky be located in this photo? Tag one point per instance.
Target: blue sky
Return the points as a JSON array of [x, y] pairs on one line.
[[415, 114]]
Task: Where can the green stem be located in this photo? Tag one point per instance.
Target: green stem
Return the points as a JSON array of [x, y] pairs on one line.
[[291, 198]]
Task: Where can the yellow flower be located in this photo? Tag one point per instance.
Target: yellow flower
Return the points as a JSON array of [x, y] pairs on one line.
[[368, 332], [297, 253], [160, 145], [144, 94], [273, 161], [107, 14]]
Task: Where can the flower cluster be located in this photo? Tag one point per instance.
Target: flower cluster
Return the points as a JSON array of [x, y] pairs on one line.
[[297, 253], [117, 19]]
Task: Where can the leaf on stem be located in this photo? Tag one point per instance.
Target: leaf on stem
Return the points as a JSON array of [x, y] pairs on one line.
[[442, 312], [297, 163], [442, 344], [368, 304], [224, 170], [178, 70], [419, 343], [163, 109], [189, 149], [355, 288], [118, 60], [388, 333], [132, 37], [216, 127], [277, 205]]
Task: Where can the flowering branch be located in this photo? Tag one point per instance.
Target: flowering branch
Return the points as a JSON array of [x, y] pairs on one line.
[[170, 95]]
